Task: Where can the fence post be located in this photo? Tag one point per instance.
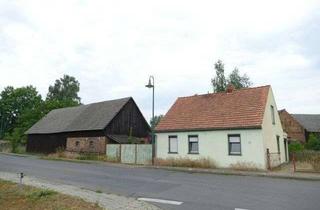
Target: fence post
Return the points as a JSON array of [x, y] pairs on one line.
[[135, 152], [268, 159], [294, 162], [120, 151]]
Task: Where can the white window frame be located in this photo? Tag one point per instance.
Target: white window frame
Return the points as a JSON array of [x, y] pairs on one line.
[[233, 141], [193, 141], [170, 150]]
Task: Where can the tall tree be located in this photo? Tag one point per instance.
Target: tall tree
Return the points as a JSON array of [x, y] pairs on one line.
[[239, 81], [19, 109], [65, 92], [219, 82], [154, 121]]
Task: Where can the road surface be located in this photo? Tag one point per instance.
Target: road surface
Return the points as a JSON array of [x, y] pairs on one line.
[[187, 191]]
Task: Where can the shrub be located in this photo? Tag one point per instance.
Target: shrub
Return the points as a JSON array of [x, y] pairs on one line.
[[41, 194], [313, 142], [295, 147], [185, 162]]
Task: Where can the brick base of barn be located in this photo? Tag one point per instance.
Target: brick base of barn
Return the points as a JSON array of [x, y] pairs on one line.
[[87, 144]]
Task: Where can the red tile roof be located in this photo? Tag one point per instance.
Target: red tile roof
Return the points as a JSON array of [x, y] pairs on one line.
[[242, 108]]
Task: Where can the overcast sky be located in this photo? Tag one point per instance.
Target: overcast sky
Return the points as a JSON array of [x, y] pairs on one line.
[[112, 47]]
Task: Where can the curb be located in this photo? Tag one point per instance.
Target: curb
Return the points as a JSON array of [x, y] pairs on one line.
[[237, 173], [181, 169]]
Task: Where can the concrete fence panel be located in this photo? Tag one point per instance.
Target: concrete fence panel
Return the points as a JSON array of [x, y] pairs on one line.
[[130, 153], [144, 154], [113, 152]]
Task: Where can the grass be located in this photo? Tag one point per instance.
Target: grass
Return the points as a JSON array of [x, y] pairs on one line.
[[185, 162], [244, 166], [13, 197], [308, 157]]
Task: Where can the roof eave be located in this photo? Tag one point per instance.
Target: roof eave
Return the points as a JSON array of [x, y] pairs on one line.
[[208, 129]]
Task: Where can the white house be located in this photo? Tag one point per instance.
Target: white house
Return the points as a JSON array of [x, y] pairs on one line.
[[232, 127]]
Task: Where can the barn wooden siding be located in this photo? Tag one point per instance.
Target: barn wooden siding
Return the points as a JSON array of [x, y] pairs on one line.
[[129, 117]]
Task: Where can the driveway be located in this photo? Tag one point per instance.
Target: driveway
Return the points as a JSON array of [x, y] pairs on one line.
[[187, 191]]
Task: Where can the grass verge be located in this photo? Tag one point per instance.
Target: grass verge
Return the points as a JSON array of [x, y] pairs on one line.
[[14, 197]]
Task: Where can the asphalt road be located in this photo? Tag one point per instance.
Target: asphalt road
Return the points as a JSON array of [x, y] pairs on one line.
[[196, 191]]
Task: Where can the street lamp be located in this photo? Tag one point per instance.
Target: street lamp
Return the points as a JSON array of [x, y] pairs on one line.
[[151, 85]]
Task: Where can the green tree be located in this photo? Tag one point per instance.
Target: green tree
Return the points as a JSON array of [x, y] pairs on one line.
[[313, 142], [219, 82], [239, 81], [154, 121], [295, 147], [64, 92], [20, 109], [14, 103]]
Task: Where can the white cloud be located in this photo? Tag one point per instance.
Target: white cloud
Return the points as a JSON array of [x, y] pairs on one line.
[[112, 47]]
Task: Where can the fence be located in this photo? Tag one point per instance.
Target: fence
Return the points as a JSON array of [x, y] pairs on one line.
[[5, 146], [273, 159], [130, 153], [306, 161]]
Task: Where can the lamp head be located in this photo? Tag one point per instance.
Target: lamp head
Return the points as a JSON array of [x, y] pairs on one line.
[[149, 85]]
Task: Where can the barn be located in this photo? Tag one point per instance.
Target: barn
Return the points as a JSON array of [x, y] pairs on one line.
[[88, 128]]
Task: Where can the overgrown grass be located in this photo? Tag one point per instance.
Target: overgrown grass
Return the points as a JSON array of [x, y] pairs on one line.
[[310, 157], [185, 162], [29, 198], [244, 166]]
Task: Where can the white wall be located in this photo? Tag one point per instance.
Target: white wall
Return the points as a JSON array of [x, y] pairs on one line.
[[270, 131], [214, 145]]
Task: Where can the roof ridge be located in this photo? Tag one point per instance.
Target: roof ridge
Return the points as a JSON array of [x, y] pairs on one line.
[[220, 93]]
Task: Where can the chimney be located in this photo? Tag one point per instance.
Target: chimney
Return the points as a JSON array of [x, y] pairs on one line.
[[230, 88]]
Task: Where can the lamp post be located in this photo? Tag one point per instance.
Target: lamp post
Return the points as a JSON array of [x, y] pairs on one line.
[[151, 85]]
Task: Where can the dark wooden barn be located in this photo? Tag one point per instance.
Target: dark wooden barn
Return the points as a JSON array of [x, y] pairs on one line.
[[87, 128]]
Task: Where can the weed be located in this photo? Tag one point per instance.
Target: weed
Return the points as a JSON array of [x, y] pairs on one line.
[[185, 162]]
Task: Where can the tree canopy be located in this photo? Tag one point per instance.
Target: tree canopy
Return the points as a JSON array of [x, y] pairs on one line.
[[22, 107], [65, 91], [154, 121], [220, 82]]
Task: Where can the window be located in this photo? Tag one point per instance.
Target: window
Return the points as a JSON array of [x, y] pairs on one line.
[[272, 115], [278, 144], [91, 144], [173, 144], [193, 144], [77, 143], [234, 144]]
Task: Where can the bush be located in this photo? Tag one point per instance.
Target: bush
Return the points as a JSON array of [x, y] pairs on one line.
[[295, 147], [313, 142], [185, 162], [41, 194]]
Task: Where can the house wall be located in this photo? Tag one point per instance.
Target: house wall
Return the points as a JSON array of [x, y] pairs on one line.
[[291, 126], [214, 145], [87, 144], [270, 130]]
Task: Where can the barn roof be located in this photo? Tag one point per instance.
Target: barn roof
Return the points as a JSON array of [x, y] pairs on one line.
[[311, 122], [242, 108], [95, 116]]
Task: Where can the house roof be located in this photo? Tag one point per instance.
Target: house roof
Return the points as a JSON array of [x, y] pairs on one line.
[[311, 122], [95, 116], [242, 108]]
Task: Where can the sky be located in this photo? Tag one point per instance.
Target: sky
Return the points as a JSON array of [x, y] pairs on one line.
[[112, 47]]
